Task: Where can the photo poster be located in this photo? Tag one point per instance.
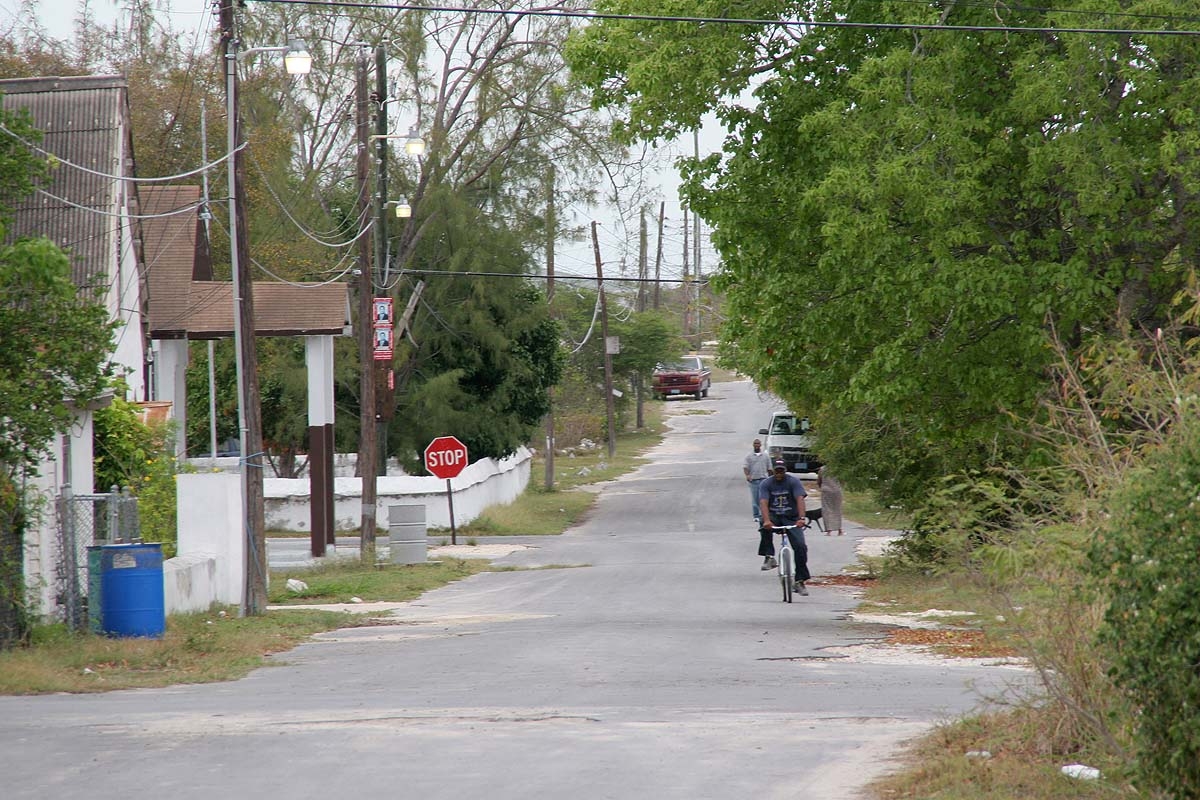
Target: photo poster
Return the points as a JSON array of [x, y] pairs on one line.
[[382, 321], [381, 311]]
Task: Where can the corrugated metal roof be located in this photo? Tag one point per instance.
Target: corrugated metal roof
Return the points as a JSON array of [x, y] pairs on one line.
[[82, 120]]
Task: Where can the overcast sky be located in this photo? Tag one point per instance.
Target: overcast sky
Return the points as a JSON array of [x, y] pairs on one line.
[[196, 18], [58, 16]]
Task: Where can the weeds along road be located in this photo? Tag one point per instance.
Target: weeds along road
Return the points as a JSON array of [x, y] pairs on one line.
[[657, 661]]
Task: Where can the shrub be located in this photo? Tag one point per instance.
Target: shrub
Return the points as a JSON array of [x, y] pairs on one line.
[[1145, 561], [966, 513], [137, 456]]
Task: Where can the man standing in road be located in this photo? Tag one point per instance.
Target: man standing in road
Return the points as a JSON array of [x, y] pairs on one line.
[[756, 467], [781, 502]]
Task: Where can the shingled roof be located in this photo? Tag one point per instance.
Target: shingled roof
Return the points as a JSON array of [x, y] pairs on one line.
[[181, 305]]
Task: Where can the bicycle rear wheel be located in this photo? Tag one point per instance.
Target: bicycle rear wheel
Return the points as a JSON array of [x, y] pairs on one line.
[[787, 573]]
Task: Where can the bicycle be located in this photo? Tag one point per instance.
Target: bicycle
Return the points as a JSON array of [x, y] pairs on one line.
[[786, 558]]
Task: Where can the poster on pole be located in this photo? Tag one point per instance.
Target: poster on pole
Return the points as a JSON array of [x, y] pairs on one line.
[[383, 343]]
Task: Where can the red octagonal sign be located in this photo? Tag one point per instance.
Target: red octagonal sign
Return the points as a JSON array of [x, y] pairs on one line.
[[445, 457]]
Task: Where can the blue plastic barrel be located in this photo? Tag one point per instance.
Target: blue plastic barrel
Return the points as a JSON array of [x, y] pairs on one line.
[[131, 590]]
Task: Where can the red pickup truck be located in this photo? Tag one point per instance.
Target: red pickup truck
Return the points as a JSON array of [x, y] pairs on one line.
[[686, 375]]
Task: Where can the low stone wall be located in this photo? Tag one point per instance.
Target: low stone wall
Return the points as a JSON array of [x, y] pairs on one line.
[[189, 583], [486, 482], [210, 567]]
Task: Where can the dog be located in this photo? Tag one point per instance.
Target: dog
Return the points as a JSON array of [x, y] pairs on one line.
[[814, 516]]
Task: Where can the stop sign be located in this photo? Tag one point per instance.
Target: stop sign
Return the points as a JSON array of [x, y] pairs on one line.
[[445, 457]]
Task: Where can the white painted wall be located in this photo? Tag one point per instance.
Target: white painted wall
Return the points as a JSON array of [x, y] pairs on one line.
[[68, 460], [189, 583], [210, 521], [210, 567], [485, 483]]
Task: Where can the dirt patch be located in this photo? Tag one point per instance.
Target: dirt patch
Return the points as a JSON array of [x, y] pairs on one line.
[[955, 642], [856, 581]]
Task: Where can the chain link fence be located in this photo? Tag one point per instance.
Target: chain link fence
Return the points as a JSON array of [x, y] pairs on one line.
[[86, 522]]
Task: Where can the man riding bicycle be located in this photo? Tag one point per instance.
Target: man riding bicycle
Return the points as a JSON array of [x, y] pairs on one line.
[[781, 502]]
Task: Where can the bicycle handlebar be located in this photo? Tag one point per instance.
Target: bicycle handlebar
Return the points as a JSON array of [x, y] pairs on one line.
[[784, 528]]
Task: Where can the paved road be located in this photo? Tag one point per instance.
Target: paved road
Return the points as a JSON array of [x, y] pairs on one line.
[[656, 661]]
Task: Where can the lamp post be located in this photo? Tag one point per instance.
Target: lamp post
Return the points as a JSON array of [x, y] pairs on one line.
[[377, 380], [297, 61]]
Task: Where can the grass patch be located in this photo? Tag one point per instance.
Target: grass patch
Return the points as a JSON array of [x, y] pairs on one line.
[[863, 509], [1028, 742], [196, 648], [339, 582], [917, 591], [536, 513], [1025, 759]]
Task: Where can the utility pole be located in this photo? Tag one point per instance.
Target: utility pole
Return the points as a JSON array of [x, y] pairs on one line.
[[608, 378], [687, 279], [249, 400], [551, 235], [384, 382], [696, 245], [641, 306], [662, 216], [642, 261], [367, 447]]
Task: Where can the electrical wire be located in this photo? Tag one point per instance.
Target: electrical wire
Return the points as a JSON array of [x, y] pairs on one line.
[[558, 276], [120, 215], [110, 176], [306, 231], [307, 285], [753, 22]]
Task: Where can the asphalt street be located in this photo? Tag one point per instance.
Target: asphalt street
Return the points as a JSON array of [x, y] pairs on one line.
[[642, 654]]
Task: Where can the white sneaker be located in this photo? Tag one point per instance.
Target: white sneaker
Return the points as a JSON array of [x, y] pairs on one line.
[[770, 563]]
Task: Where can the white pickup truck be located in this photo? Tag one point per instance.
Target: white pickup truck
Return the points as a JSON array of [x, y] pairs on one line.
[[787, 438]]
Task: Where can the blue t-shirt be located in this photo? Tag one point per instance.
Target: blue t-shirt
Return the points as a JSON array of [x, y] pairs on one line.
[[781, 496]]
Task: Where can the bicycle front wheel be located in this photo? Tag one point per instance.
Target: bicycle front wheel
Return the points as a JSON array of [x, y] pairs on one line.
[[787, 573]]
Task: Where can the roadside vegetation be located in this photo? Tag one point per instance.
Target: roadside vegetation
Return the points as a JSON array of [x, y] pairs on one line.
[[990, 293], [1085, 568]]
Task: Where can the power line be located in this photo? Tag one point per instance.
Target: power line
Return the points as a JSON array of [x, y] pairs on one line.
[[557, 276], [108, 175], [783, 23]]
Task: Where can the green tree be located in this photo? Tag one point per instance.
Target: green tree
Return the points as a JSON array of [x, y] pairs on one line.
[[486, 349], [54, 360], [921, 206]]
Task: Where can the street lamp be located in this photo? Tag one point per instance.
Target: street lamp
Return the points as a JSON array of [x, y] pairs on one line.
[[403, 209], [297, 61], [414, 145]]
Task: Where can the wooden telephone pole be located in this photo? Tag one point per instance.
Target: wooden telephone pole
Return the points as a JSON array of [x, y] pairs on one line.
[[367, 433], [249, 399], [609, 405]]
